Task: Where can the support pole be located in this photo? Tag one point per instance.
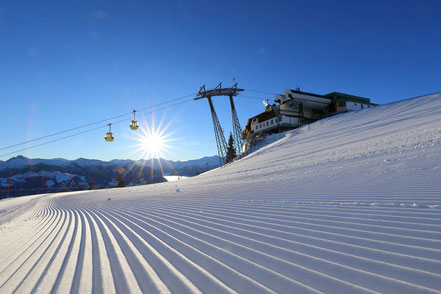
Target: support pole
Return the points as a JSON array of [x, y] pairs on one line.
[[42, 184], [69, 184], [219, 134], [9, 184], [237, 130]]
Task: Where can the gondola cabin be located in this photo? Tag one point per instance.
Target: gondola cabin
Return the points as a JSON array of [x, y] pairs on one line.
[[109, 137], [134, 125]]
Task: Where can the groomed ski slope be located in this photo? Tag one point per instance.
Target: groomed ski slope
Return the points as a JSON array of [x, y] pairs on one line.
[[351, 204]]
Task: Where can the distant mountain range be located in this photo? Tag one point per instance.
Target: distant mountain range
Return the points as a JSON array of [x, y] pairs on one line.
[[32, 176]]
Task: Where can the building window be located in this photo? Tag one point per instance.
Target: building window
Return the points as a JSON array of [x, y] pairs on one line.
[[362, 106], [272, 121], [342, 104], [267, 123]]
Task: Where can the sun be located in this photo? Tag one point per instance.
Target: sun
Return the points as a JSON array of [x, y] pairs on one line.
[[153, 144], [152, 141]]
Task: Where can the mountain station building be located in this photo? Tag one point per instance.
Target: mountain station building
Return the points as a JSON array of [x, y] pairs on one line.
[[296, 108]]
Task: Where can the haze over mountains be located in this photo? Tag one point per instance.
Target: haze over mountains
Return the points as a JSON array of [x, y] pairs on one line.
[[21, 162], [31, 176]]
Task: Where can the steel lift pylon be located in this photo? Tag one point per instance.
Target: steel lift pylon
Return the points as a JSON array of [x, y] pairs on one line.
[[218, 132]]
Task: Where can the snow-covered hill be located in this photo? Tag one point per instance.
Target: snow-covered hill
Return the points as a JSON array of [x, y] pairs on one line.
[[351, 204], [52, 178]]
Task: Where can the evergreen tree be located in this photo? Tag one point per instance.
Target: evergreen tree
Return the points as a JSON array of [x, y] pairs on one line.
[[231, 151], [120, 182]]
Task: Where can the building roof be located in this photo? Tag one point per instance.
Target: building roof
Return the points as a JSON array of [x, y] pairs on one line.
[[342, 96], [307, 93], [260, 118], [264, 116]]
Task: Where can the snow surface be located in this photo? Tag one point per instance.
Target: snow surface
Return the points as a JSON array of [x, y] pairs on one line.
[[351, 204], [174, 178]]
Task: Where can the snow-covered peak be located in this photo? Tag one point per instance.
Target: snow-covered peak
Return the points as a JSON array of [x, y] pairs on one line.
[[23, 162], [88, 162], [119, 162], [16, 162]]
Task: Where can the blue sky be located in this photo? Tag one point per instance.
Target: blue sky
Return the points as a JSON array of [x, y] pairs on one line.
[[69, 63]]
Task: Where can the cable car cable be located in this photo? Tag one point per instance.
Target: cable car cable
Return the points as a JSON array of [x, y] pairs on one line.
[[93, 123], [252, 97], [263, 92], [59, 139], [108, 119], [94, 129]]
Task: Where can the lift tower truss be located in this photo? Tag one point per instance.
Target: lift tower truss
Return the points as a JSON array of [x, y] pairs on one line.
[[237, 130], [218, 132]]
